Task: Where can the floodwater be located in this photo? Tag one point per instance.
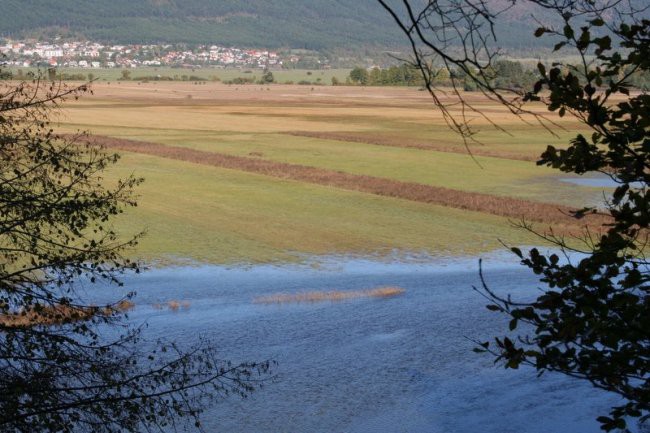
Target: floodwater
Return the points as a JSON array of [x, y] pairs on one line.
[[402, 364], [597, 182]]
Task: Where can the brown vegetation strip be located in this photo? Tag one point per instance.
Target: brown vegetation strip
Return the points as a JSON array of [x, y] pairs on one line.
[[59, 314], [508, 207], [173, 305], [387, 140], [336, 295]]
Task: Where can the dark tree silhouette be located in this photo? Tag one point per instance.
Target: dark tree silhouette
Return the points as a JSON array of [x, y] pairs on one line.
[[592, 318], [65, 365]]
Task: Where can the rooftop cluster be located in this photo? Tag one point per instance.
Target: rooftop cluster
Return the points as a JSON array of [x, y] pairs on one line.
[[95, 55]]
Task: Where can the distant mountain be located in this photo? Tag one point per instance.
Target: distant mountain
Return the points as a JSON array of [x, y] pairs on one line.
[[310, 24]]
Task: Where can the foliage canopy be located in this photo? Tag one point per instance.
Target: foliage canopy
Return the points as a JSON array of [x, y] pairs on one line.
[[311, 24], [67, 365], [592, 318]]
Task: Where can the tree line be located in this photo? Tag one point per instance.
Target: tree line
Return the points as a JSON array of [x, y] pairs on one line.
[[505, 74]]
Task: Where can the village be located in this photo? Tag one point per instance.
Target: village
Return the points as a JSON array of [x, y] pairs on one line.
[[88, 54]]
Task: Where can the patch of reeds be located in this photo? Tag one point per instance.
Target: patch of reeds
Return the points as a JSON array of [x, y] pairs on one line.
[[518, 209], [60, 314], [331, 296], [173, 305]]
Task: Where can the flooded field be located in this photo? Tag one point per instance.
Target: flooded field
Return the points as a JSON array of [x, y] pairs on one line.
[[401, 363]]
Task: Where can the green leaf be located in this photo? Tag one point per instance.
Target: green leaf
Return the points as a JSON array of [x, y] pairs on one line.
[[568, 32]]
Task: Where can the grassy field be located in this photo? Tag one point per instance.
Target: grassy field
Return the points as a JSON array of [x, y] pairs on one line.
[[229, 215], [504, 177], [210, 74]]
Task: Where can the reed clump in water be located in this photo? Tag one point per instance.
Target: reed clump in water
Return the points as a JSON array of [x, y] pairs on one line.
[[173, 305], [59, 314], [332, 296]]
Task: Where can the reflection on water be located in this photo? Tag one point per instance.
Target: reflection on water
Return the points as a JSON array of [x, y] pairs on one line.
[[401, 364]]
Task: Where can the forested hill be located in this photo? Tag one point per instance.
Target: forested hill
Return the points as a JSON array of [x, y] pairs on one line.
[[312, 24]]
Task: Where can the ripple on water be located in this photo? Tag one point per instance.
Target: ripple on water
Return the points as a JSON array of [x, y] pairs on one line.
[[366, 365]]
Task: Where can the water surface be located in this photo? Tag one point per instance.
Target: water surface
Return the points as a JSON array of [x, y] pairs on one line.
[[392, 365], [597, 182]]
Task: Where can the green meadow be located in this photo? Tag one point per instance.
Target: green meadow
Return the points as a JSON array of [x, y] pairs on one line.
[[224, 216], [211, 214], [208, 74]]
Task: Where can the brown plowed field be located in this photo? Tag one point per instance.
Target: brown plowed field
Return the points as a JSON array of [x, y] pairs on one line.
[[513, 208]]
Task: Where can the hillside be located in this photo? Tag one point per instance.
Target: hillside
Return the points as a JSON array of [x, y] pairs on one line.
[[311, 24]]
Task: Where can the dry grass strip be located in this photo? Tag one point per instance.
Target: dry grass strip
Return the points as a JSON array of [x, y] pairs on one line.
[[59, 314], [508, 207], [333, 296], [382, 140]]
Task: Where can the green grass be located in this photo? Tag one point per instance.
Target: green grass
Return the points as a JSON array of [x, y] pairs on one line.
[[198, 212], [519, 138], [224, 216], [281, 76], [504, 177]]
